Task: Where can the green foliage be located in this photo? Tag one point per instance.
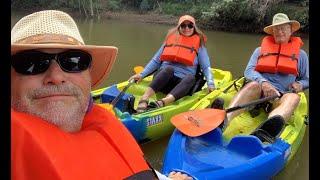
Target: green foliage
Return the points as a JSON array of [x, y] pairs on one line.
[[300, 14], [113, 5], [176, 9], [232, 14], [130, 4], [146, 5], [229, 15], [196, 11]]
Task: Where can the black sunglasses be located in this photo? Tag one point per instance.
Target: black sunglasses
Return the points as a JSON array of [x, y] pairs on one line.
[[183, 26], [32, 62]]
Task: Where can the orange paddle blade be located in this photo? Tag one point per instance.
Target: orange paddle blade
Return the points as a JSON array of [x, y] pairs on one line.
[[138, 69], [198, 122]]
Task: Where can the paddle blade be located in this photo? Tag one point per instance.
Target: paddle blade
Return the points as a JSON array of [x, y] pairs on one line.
[[198, 122], [138, 69]]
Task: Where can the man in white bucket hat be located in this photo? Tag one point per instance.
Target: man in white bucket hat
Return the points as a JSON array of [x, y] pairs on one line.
[[278, 66], [56, 130]]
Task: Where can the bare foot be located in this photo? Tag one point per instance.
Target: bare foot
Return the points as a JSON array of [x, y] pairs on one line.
[[142, 106], [179, 176]]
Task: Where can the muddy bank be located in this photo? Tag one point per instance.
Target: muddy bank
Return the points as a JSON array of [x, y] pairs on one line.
[[145, 18], [132, 16]]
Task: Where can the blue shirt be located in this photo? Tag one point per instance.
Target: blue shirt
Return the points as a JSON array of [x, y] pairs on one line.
[[181, 70], [280, 81]]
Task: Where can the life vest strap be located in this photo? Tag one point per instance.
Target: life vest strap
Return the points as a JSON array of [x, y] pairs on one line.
[[180, 45], [146, 174], [293, 57]]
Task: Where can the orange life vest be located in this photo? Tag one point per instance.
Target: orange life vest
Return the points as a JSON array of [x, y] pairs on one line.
[[103, 149], [181, 49], [282, 58]]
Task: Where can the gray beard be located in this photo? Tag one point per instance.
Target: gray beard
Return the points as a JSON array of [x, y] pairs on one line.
[[66, 116]]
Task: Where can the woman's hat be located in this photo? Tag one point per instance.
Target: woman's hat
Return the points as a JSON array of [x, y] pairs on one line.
[[279, 19], [186, 18], [55, 29]]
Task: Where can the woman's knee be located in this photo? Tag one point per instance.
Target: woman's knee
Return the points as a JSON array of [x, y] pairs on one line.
[[189, 78]]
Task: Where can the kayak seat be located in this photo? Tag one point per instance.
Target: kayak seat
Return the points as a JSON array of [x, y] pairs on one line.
[[200, 81], [253, 144], [214, 136], [125, 104]]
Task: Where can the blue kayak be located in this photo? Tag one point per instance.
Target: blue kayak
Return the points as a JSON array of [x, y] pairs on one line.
[[235, 153], [208, 157]]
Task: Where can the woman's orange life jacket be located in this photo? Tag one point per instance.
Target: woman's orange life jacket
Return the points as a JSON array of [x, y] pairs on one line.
[[181, 49], [279, 58], [103, 149]]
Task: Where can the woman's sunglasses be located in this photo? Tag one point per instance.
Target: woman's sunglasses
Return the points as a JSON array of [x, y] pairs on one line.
[[32, 62], [183, 26]]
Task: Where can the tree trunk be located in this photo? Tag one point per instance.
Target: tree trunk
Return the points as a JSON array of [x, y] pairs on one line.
[[84, 9], [79, 6], [160, 8], [97, 9], [91, 8]]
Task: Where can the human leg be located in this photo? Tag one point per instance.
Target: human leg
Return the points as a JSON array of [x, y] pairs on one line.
[[249, 92], [143, 102], [158, 83], [181, 88], [162, 78], [282, 111], [285, 106]]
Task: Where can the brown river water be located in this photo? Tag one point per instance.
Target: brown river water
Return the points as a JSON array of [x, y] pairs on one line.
[[137, 43]]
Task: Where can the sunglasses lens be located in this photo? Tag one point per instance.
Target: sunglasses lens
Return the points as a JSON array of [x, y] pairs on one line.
[[36, 62], [30, 62], [183, 26], [74, 61]]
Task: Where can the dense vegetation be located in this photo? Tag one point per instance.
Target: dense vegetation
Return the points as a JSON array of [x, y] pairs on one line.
[[230, 15]]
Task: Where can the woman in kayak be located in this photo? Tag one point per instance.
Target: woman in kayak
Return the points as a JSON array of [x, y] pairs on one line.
[[176, 63]]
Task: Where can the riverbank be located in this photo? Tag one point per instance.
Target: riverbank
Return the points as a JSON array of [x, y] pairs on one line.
[[132, 16], [152, 18], [246, 16], [156, 18]]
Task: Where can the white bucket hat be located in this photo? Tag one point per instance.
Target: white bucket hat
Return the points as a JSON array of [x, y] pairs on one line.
[[56, 29], [281, 18]]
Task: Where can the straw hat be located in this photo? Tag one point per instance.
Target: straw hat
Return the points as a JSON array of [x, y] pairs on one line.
[[56, 29], [279, 19], [186, 18]]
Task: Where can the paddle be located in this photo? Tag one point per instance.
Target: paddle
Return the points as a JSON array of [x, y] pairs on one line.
[[198, 122], [137, 70]]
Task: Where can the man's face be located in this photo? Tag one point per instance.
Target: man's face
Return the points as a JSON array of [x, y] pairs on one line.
[[282, 33], [59, 97]]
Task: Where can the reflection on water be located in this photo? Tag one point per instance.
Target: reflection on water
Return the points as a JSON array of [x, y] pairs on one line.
[[137, 43]]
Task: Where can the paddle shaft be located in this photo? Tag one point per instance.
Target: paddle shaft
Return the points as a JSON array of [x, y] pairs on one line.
[[116, 99], [251, 103]]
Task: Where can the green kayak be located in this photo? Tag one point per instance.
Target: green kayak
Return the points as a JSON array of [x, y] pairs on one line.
[[154, 123]]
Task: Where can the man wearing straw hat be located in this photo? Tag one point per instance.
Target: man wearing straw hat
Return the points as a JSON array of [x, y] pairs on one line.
[[56, 130], [278, 66]]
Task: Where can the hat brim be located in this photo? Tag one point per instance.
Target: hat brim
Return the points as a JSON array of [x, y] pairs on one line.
[[295, 26], [103, 57]]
